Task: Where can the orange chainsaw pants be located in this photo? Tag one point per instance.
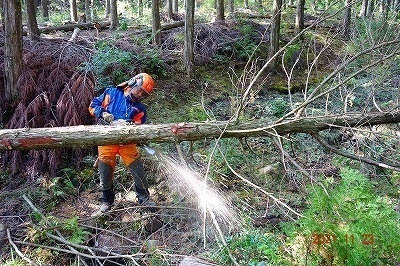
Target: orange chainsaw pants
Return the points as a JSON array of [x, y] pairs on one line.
[[108, 154]]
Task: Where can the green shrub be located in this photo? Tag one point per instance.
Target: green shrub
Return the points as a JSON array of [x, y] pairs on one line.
[[77, 234], [291, 53], [109, 64], [279, 107], [152, 62], [250, 247], [245, 47], [349, 225], [123, 24]]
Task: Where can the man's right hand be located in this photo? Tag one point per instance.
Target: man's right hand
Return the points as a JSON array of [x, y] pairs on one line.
[[107, 117]]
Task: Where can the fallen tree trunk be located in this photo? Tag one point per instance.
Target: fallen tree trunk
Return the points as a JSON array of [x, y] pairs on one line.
[[101, 25], [89, 136], [72, 26]]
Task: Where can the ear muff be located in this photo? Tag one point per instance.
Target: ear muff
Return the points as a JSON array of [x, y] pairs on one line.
[[143, 80]]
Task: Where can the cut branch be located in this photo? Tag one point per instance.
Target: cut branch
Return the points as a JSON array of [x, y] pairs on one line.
[[89, 136]]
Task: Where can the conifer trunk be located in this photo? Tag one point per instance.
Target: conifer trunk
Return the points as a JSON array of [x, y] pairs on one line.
[[13, 62], [89, 136]]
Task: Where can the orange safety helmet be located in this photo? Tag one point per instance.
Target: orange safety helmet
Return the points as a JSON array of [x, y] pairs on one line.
[[143, 80]]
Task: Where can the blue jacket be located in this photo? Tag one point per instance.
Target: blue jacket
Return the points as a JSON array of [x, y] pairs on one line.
[[123, 107]]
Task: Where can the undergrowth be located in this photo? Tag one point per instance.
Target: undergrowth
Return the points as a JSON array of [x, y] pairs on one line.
[[345, 225]]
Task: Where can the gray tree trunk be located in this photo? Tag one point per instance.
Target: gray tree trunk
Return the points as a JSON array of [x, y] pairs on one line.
[[385, 10], [346, 19], [175, 6], [88, 10], [370, 8], [73, 10], [246, 4], [275, 30], [189, 37], [363, 9], [299, 24], [93, 10], [155, 10], [32, 27], [169, 9], [114, 14], [89, 136], [231, 6], [45, 9], [140, 8], [13, 62], [2, 13], [108, 8], [220, 10], [71, 27]]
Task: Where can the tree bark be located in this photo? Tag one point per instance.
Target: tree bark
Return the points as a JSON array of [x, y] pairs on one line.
[[13, 62], [140, 8], [88, 10], [33, 30], [299, 24], [155, 10], [385, 10], [189, 37], [93, 10], [72, 26], [346, 19], [220, 10], [275, 30], [89, 136], [370, 8], [363, 9], [231, 6], [45, 9], [104, 25], [73, 10], [114, 14], [2, 13], [107, 8], [169, 9]]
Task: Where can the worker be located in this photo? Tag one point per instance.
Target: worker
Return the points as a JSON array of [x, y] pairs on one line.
[[122, 103]]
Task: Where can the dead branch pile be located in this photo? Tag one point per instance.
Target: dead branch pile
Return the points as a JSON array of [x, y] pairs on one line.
[[210, 39], [53, 92]]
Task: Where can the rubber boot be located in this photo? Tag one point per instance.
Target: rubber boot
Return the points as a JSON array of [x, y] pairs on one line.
[[106, 186], [107, 200], [141, 185]]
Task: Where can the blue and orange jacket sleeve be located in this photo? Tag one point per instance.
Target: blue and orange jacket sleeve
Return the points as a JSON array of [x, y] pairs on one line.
[[100, 104], [139, 116]]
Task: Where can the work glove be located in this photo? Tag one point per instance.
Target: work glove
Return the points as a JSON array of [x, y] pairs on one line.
[[107, 117]]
